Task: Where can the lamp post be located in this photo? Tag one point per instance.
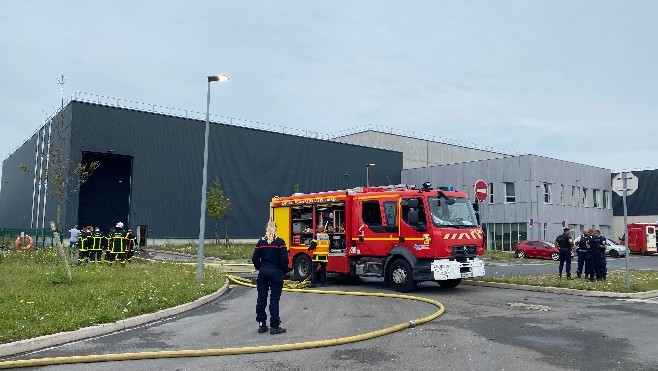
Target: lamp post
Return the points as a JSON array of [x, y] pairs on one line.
[[202, 219], [368, 174]]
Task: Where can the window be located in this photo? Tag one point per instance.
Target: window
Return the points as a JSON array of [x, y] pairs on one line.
[[585, 202], [371, 214], [510, 196], [573, 195], [606, 200], [407, 207], [390, 211], [561, 194], [547, 193], [597, 197], [491, 199]]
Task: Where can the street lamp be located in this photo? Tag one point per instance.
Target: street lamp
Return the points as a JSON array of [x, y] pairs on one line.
[[202, 219], [368, 174]]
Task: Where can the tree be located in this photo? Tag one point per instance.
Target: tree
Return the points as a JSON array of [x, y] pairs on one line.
[[218, 207], [61, 171]]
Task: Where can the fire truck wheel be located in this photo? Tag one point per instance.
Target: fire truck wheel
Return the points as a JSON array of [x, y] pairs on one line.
[[449, 284], [302, 267], [400, 276]]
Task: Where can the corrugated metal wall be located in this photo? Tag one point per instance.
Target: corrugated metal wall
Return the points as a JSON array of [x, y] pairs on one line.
[[252, 166]]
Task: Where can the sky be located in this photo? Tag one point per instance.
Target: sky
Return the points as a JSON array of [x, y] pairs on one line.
[[571, 80]]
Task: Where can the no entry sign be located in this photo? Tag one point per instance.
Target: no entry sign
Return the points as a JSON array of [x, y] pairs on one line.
[[481, 190]]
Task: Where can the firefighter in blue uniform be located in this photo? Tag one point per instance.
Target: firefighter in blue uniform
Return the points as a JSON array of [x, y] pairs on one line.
[[582, 251], [565, 243], [270, 258]]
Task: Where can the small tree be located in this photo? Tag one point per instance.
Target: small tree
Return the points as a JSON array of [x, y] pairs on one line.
[[61, 171], [218, 207]]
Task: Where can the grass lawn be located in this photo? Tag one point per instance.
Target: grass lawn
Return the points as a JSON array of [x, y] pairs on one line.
[[641, 281], [37, 299], [231, 252], [500, 255]]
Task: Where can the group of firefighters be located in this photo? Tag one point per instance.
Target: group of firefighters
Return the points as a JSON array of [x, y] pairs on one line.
[[90, 245]]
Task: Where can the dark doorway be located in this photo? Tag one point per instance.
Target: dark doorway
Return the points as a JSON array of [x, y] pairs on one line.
[[105, 196]]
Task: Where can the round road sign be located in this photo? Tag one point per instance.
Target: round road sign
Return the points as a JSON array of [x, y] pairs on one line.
[[481, 190]]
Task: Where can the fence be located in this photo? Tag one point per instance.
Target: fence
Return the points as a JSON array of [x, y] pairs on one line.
[[42, 237]]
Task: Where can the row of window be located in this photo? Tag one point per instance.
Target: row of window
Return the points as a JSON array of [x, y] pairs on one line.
[[580, 196]]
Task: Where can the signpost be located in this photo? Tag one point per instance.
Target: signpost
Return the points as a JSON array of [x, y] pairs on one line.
[[624, 184], [481, 190]]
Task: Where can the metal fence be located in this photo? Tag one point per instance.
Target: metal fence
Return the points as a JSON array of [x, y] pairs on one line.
[[42, 237]]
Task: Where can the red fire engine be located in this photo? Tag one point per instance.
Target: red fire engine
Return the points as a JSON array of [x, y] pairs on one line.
[[401, 233], [642, 238]]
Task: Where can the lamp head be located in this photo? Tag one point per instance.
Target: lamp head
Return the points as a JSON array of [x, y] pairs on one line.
[[218, 78]]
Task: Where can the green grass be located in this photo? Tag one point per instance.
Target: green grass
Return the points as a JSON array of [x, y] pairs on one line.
[[641, 281], [38, 300], [500, 255], [231, 252]]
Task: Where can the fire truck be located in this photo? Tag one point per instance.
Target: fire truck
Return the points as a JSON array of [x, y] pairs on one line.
[[642, 238], [403, 234]]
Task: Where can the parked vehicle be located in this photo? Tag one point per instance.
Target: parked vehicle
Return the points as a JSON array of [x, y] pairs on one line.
[[612, 249], [537, 249], [642, 239], [398, 232]]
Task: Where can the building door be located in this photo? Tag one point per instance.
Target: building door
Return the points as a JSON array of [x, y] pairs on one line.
[[105, 196]]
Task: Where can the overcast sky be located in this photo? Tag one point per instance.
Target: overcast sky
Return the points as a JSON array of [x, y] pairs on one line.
[[572, 80]]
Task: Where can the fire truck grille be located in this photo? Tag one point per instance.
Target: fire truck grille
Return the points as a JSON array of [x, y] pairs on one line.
[[466, 251]]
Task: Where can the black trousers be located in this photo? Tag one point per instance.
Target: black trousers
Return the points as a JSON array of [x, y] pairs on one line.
[[322, 272], [270, 280], [565, 257]]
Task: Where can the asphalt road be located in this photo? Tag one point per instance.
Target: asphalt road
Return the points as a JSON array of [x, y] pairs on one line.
[[482, 329]]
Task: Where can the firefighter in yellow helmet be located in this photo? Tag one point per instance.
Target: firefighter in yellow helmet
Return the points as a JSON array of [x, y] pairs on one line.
[[320, 248]]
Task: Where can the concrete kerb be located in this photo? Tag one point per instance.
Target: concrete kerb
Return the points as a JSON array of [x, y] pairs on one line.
[[46, 341], [562, 290]]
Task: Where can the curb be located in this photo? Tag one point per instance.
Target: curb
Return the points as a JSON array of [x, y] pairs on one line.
[[46, 341], [563, 290]]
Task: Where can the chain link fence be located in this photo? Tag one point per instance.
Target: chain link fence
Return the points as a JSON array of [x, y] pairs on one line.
[[41, 237]]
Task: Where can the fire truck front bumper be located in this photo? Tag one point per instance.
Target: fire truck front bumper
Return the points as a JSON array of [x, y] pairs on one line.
[[444, 269]]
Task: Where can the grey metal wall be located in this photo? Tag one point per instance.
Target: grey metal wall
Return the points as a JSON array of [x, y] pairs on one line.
[[419, 153], [527, 172], [252, 166]]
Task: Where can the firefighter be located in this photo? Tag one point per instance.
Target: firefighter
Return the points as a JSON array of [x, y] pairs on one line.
[[118, 245], [84, 243], [582, 251], [565, 243], [108, 245], [600, 264], [96, 246], [270, 258], [320, 247], [130, 244]]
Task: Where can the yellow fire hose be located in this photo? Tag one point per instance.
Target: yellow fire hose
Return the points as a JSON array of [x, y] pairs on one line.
[[293, 287]]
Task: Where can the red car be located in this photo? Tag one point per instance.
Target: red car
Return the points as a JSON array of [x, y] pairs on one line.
[[537, 249]]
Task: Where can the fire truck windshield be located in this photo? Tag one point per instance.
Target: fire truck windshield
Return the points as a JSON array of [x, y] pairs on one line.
[[460, 213]]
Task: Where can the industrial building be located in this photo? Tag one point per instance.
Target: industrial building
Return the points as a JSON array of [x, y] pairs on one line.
[[150, 171], [530, 197]]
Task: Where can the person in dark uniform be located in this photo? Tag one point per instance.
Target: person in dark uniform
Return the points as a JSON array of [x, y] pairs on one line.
[[598, 244], [96, 246], [565, 243], [118, 245], [84, 244], [582, 251], [270, 258]]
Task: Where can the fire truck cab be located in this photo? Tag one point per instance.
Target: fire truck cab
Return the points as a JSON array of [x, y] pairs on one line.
[[642, 238], [403, 234]]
